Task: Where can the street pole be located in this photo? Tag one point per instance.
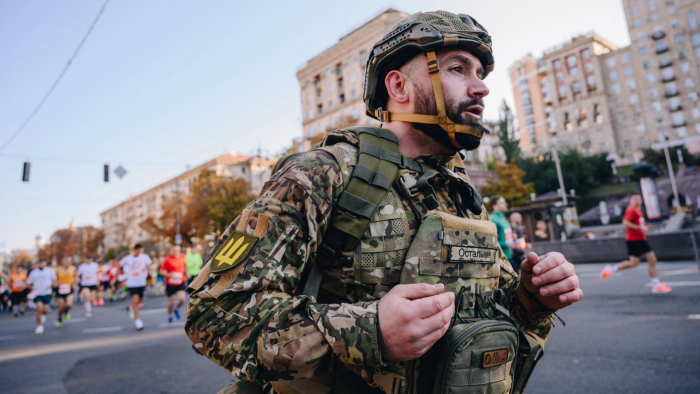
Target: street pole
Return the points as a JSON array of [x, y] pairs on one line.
[[555, 155], [676, 202], [178, 236]]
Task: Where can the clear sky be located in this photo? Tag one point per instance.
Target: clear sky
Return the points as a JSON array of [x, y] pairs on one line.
[[160, 85]]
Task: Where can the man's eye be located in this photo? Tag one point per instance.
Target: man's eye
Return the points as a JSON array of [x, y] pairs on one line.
[[457, 69]]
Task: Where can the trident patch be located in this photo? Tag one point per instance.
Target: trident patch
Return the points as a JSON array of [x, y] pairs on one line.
[[237, 247]]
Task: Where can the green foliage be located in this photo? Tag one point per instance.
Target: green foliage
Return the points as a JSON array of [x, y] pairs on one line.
[[581, 173], [109, 255], [657, 158], [509, 185], [507, 133], [584, 204]]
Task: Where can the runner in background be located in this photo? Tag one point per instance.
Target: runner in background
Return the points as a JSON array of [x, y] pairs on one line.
[[113, 272], [18, 286], [637, 246], [4, 293], [40, 280], [65, 277], [160, 279], [87, 278], [103, 284], [135, 268], [173, 269], [516, 223], [194, 262]]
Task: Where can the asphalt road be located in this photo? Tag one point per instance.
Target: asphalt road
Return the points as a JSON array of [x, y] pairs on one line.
[[619, 339]]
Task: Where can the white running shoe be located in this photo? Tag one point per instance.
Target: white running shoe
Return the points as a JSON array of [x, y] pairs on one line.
[[39, 330], [139, 324], [131, 311], [43, 320]]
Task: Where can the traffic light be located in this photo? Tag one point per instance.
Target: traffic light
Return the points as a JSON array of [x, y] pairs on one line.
[[25, 172], [106, 173]]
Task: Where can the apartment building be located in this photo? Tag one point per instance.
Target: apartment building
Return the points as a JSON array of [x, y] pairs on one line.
[[120, 223], [332, 82], [589, 94]]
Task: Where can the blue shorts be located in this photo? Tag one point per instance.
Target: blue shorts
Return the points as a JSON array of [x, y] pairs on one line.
[[44, 299]]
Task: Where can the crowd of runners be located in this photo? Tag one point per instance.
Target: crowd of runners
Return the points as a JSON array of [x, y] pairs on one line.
[[45, 287]]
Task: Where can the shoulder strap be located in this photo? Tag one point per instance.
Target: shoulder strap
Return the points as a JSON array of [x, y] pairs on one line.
[[372, 176]]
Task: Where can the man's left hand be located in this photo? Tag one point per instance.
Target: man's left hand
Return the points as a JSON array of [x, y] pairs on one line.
[[551, 279]]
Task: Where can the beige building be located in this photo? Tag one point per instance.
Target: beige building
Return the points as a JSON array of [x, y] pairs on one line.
[[588, 94], [120, 223], [332, 82]]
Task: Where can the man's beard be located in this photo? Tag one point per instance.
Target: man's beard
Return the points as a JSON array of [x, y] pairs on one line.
[[425, 105]]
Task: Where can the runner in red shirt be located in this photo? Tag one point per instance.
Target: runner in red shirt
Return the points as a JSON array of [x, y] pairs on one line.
[[173, 269], [637, 246]]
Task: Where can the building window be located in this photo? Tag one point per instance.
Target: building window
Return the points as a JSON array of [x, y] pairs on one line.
[[696, 112], [329, 89], [650, 77], [697, 52], [602, 147], [613, 76], [611, 62], [689, 82], [628, 145], [640, 127], [527, 111], [671, 88], [667, 73], [351, 60], [625, 57], [310, 114], [531, 131], [678, 37], [571, 60], [319, 108], [635, 11], [328, 73], [675, 24], [311, 131], [590, 80], [586, 53], [588, 66], [661, 46], [596, 114], [654, 16], [567, 122], [675, 103], [656, 106], [330, 104], [623, 131], [642, 142], [631, 85], [353, 94], [615, 89], [634, 99], [562, 90], [643, 50], [685, 67], [560, 76], [697, 128], [529, 120], [646, 64], [621, 118], [585, 140], [692, 20], [320, 127], [637, 22], [678, 118], [341, 98], [525, 101], [693, 96], [352, 77], [681, 131], [332, 123], [628, 71], [557, 64], [653, 93], [652, 4], [618, 102], [641, 36], [672, 9], [600, 134], [355, 113], [573, 71], [576, 87]]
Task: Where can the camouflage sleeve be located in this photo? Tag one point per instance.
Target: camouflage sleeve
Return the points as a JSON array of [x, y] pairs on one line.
[[258, 327], [523, 305]]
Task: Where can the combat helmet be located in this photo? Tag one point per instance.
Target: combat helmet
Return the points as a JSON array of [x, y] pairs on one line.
[[424, 32]]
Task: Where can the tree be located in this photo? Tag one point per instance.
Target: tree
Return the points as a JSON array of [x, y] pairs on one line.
[[507, 134], [509, 184], [23, 259], [581, 173], [214, 202], [72, 241], [658, 158]]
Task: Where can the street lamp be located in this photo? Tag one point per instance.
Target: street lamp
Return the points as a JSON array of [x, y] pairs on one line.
[[54, 240]]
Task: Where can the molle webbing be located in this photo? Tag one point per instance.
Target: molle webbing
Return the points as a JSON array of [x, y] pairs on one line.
[[376, 169]]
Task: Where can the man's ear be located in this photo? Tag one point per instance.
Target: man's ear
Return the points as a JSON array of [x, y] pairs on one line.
[[397, 86]]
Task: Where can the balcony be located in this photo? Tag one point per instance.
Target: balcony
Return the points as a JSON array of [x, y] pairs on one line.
[[673, 78], [671, 94], [658, 35], [664, 65], [676, 109], [677, 125]]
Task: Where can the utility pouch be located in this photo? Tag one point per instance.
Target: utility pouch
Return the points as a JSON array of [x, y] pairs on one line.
[[530, 351], [475, 357]]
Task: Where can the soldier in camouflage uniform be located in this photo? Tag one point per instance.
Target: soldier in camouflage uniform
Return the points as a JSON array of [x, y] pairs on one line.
[[247, 311]]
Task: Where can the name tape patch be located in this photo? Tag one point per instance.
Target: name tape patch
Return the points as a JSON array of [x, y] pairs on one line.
[[236, 249], [471, 254], [494, 357]]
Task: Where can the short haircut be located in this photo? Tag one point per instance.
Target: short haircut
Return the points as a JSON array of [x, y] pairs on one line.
[[494, 200], [42, 260], [89, 256], [138, 246]]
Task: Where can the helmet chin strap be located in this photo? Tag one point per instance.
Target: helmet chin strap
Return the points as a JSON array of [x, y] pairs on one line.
[[441, 119]]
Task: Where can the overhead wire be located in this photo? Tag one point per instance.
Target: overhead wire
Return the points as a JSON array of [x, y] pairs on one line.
[[60, 76]]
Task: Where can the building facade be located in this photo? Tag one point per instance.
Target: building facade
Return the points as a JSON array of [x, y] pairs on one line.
[[332, 82], [121, 223], [593, 96]]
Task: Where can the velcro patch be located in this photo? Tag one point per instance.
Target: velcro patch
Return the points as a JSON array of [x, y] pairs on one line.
[[494, 357], [473, 254], [236, 249]]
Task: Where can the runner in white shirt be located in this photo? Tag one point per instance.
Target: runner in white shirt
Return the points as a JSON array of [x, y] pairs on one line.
[[87, 278], [40, 281], [135, 268]]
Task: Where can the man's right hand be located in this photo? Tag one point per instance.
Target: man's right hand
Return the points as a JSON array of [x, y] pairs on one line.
[[412, 318]]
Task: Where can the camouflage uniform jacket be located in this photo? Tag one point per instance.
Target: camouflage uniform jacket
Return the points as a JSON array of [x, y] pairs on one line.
[[261, 329]]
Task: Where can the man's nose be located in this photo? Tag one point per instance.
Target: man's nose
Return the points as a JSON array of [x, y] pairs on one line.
[[477, 88]]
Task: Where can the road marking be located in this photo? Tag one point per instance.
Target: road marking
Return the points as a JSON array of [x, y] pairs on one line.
[[103, 329], [680, 272], [176, 324], [694, 317], [41, 350], [678, 284], [76, 320], [11, 337], [152, 311]]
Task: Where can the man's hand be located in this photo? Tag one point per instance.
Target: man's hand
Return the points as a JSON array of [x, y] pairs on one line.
[[412, 318], [551, 279]]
